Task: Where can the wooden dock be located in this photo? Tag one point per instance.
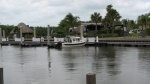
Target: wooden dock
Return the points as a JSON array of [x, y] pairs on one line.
[[128, 42], [106, 43]]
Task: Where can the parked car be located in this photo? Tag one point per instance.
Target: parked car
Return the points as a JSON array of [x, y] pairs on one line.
[[134, 31]]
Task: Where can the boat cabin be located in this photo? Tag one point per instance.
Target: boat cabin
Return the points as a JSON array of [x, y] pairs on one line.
[[72, 39]]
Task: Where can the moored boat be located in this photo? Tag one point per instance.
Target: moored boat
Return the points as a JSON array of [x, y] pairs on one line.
[[71, 41]]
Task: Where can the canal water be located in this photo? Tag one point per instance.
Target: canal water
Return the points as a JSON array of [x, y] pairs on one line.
[[112, 65]]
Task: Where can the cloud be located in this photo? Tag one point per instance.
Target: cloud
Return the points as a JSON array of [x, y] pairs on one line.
[[44, 12]]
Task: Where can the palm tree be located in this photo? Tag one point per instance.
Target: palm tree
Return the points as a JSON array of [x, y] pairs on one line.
[[106, 22], [125, 22], [70, 21], [96, 17], [111, 16], [144, 20], [132, 23]]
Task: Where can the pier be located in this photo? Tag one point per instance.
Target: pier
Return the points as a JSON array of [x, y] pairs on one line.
[[118, 41]]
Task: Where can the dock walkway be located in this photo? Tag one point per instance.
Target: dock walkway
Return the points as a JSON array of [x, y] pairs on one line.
[[116, 41]]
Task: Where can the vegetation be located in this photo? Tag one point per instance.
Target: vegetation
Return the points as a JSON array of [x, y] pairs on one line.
[[109, 22], [112, 17], [69, 21], [7, 29], [96, 17], [144, 20]]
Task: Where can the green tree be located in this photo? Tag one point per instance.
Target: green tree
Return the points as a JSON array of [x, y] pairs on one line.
[[144, 20], [112, 16], [96, 17], [69, 21], [132, 23]]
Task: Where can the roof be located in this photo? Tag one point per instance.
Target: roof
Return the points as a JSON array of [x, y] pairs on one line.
[[25, 28]]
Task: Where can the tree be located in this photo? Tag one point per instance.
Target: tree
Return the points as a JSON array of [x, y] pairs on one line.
[[144, 20], [112, 16], [132, 23], [70, 21], [106, 23], [125, 22], [129, 24], [96, 17]]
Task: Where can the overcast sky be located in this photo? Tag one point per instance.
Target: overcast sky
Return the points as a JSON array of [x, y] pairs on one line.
[[44, 12]]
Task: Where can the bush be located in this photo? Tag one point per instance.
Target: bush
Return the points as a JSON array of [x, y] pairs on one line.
[[120, 32], [108, 35], [148, 31]]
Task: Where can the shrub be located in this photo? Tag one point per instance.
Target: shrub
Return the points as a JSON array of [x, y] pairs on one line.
[[108, 35], [148, 31]]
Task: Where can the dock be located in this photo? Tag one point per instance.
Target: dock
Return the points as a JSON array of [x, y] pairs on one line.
[[121, 41]]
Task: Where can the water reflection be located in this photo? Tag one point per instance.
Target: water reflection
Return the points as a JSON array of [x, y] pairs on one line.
[[49, 62], [112, 65], [70, 58], [105, 58], [144, 59], [112, 62], [99, 58]]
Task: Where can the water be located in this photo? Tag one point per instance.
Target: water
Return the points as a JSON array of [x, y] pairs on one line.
[[112, 65]]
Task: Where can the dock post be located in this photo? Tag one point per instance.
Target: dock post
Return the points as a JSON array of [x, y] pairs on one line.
[[3, 33], [1, 76], [81, 32], [34, 32], [21, 34], [48, 39], [90, 78], [0, 36]]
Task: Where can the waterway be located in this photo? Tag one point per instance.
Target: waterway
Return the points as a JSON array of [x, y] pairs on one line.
[[39, 65]]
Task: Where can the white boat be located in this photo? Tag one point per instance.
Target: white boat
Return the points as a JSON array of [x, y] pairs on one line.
[[71, 41]]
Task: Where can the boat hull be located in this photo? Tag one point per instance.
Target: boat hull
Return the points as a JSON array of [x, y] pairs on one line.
[[73, 44]]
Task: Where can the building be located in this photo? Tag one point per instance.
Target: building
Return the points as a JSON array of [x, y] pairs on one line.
[[92, 26], [26, 31]]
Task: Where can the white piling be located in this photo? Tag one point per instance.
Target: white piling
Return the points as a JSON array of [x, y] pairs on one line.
[[34, 32], [81, 31]]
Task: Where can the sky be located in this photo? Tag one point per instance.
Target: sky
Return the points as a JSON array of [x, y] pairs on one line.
[[51, 12]]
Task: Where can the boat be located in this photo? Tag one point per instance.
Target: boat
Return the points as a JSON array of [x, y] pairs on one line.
[[71, 41]]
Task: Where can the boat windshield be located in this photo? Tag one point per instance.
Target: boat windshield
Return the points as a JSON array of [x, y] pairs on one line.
[[71, 39]]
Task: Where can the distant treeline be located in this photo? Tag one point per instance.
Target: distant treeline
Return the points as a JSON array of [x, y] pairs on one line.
[[40, 31]]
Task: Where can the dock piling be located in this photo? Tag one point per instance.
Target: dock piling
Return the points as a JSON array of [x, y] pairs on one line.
[[0, 35], [90, 78], [1, 76], [48, 35], [21, 34]]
